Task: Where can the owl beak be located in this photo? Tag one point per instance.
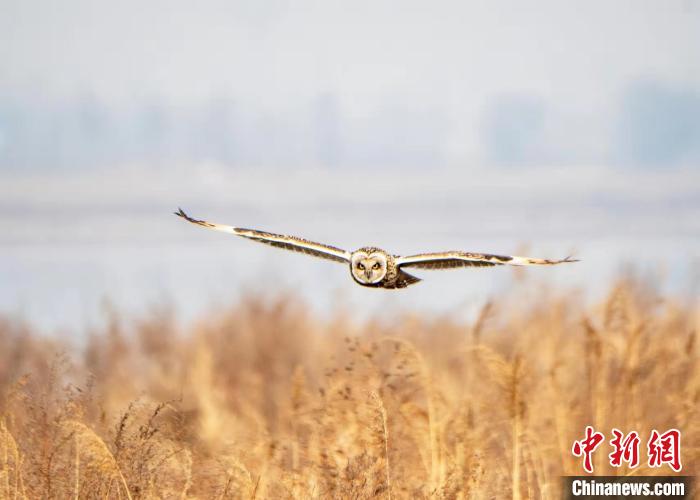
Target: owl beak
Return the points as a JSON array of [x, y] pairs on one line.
[[368, 274]]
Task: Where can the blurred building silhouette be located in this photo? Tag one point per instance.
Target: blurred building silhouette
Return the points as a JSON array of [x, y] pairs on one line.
[[656, 125]]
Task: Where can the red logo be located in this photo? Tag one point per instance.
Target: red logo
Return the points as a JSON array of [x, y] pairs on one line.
[[626, 449], [665, 449], [661, 448], [587, 446]]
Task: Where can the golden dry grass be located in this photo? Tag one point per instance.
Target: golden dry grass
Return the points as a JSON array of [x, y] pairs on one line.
[[267, 401]]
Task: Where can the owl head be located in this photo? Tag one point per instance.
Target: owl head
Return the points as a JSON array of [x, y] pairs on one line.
[[368, 265]]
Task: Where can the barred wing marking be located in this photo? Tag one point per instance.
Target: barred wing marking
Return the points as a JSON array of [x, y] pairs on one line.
[[450, 260], [276, 240]]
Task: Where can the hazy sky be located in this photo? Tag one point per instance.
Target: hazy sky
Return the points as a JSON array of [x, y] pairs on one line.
[[454, 60], [579, 52]]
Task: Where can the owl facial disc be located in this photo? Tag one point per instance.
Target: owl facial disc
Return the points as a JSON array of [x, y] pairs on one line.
[[368, 268]]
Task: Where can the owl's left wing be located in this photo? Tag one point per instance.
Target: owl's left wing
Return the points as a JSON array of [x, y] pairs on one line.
[[277, 240], [450, 260]]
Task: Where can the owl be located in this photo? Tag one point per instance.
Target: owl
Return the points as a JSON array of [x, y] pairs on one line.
[[373, 267]]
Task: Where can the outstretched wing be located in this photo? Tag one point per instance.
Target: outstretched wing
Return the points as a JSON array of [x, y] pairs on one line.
[[277, 240], [450, 260]]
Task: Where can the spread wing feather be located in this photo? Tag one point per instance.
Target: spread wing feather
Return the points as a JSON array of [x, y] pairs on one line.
[[450, 260], [292, 243]]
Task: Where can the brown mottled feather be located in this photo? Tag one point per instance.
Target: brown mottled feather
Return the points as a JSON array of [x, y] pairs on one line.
[[453, 259], [450, 264], [292, 243]]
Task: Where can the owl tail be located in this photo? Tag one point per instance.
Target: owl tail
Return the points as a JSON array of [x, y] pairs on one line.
[[404, 279]]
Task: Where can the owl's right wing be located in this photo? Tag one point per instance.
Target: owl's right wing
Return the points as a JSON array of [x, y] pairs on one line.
[[449, 260], [277, 240]]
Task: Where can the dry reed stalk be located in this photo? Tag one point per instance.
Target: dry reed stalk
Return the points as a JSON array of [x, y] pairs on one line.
[[97, 449], [76, 488], [385, 438], [271, 401], [10, 465], [433, 431], [515, 409]]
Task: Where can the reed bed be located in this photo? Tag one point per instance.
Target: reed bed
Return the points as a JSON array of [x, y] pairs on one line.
[[265, 400]]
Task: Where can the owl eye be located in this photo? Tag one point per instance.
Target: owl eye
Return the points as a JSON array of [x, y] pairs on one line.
[[361, 266], [376, 266]]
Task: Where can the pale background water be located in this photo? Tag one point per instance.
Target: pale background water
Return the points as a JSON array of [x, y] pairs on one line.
[[536, 127], [71, 242]]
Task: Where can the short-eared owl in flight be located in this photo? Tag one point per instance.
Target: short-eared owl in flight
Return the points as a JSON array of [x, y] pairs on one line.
[[373, 267]]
